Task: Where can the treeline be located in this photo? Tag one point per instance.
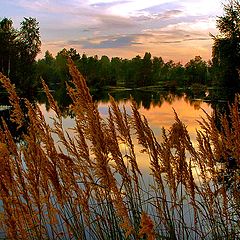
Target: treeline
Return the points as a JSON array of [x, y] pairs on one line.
[[19, 48], [135, 72], [222, 70]]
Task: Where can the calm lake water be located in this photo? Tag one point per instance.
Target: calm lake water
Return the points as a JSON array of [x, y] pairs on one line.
[[158, 113], [155, 103], [157, 106]]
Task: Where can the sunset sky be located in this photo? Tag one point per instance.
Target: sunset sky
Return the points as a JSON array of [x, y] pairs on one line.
[[177, 30]]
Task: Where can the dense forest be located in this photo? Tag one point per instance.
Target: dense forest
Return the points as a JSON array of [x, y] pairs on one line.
[[136, 72], [19, 48]]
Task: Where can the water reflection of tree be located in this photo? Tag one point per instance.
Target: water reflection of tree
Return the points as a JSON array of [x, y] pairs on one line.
[[145, 98], [5, 116], [218, 98]]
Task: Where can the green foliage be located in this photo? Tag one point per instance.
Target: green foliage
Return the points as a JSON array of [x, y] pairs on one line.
[[104, 71], [226, 47], [46, 68], [196, 70], [147, 69], [29, 39], [18, 50], [157, 65], [7, 45], [131, 73]]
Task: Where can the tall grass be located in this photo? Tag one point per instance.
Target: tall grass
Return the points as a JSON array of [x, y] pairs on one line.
[[88, 188]]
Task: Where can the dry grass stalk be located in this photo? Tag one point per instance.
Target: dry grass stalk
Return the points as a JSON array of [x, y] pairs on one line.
[[93, 128], [17, 115], [82, 188], [147, 227]]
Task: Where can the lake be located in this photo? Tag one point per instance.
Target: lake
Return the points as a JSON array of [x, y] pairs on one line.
[[158, 107], [156, 104]]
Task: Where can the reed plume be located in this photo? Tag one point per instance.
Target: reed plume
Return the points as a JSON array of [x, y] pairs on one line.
[[79, 183]]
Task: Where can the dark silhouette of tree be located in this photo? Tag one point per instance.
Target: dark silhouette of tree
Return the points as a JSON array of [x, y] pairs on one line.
[[92, 71], [226, 47], [7, 45], [133, 75], [48, 69], [18, 50], [29, 39], [83, 65], [49, 59], [117, 72], [196, 70], [146, 78], [73, 54], [157, 66], [104, 76]]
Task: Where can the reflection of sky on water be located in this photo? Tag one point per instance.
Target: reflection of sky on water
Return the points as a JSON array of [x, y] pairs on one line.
[[157, 116], [163, 116]]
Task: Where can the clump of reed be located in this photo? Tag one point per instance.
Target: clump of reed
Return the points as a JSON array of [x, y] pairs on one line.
[[84, 186]]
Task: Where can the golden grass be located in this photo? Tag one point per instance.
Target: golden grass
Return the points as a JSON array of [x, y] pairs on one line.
[[89, 189]]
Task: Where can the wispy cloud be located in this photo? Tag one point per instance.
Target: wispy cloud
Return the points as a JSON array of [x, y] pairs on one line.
[[109, 22], [132, 26], [184, 31], [155, 9], [170, 13], [107, 42], [164, 16], [184, 40], [106, 5]]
